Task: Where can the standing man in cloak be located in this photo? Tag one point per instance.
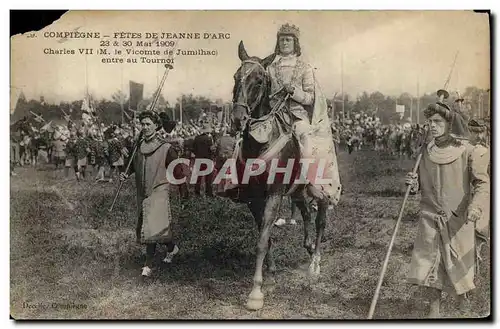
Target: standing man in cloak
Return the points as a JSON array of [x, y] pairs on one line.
[[150, 163], [455, 189]]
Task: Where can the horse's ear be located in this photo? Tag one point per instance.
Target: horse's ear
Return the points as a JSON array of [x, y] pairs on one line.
[[268, 60], [242, 53]]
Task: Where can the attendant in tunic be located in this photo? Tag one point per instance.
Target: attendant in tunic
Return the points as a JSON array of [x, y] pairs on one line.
[[203, 149], [478, 137], [150, 163], [82, 150], [455, 188], [115, 149], [100, 150], [58, 153], [34, 146], [70, 151]]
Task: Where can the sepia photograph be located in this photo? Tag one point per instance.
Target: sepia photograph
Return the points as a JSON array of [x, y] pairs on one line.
[[251, 164]]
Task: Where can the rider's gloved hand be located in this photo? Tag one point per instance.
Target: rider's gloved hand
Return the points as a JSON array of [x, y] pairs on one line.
[[289, 89]]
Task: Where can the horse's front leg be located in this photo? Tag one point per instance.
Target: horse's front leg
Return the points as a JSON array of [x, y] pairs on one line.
[[257, 207], [314, 267], [306, 217], [256, 297]]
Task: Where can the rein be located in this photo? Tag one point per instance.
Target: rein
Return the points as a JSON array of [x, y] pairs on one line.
[[258, 100]]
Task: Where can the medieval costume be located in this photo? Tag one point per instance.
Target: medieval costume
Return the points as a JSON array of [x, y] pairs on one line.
[[82, 150], [115, 155], [203, 149], [454, 186], [309, 114], [478, 130], [224, 149], [99, 153], [70, 151], [58, 153], [150, 165]]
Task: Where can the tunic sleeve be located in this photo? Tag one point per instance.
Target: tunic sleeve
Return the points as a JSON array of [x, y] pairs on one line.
[[305, 96], [480, 180]]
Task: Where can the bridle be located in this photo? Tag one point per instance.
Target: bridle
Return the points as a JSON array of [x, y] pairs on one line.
[[242, 85]]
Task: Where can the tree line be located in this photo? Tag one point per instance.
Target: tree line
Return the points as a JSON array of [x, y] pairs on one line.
[[477, 104], [116, 109]]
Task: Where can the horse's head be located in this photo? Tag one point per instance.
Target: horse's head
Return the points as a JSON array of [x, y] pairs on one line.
[[251, 83]]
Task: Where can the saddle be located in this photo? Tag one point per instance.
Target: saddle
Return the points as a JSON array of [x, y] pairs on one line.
[[261, 128]]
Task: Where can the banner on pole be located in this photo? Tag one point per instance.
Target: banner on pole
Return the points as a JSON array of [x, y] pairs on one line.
[[400, 109], [15, 95], [136, 94]]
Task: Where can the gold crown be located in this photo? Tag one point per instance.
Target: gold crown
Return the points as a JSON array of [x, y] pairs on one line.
[[290, 30]]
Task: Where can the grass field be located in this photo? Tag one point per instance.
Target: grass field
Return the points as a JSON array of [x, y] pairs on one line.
[[66, 249]]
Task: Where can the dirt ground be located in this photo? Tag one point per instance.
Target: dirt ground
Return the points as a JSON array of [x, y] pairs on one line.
[[72, 259]]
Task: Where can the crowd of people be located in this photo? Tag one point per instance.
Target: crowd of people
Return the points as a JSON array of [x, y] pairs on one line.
[[401, 138], [105, 147]]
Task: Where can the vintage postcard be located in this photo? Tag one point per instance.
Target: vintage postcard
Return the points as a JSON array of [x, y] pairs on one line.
[[251, 165]]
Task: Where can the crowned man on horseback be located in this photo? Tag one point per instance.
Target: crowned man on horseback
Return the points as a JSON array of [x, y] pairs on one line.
[[308, 110], [282, 115]]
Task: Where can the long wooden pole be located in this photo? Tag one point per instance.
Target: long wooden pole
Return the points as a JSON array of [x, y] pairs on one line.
[[180, 110], [411, 109], [136, 146], [168, 67], [396, 228], [418, 102], [342, 83]]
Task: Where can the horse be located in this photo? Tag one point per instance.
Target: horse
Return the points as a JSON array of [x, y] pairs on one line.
[[251, 103]]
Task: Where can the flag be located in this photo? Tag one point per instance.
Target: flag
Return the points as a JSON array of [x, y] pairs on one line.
[[85, 106], [16, 96], [136, 94], [38, 118], [47, 127]]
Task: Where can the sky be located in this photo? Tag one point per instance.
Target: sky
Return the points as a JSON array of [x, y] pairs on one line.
[[354, 51]]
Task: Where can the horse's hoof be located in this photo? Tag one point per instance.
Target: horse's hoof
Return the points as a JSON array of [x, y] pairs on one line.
[[255, 301], [255, 304], [314, 267], [314, 272]]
